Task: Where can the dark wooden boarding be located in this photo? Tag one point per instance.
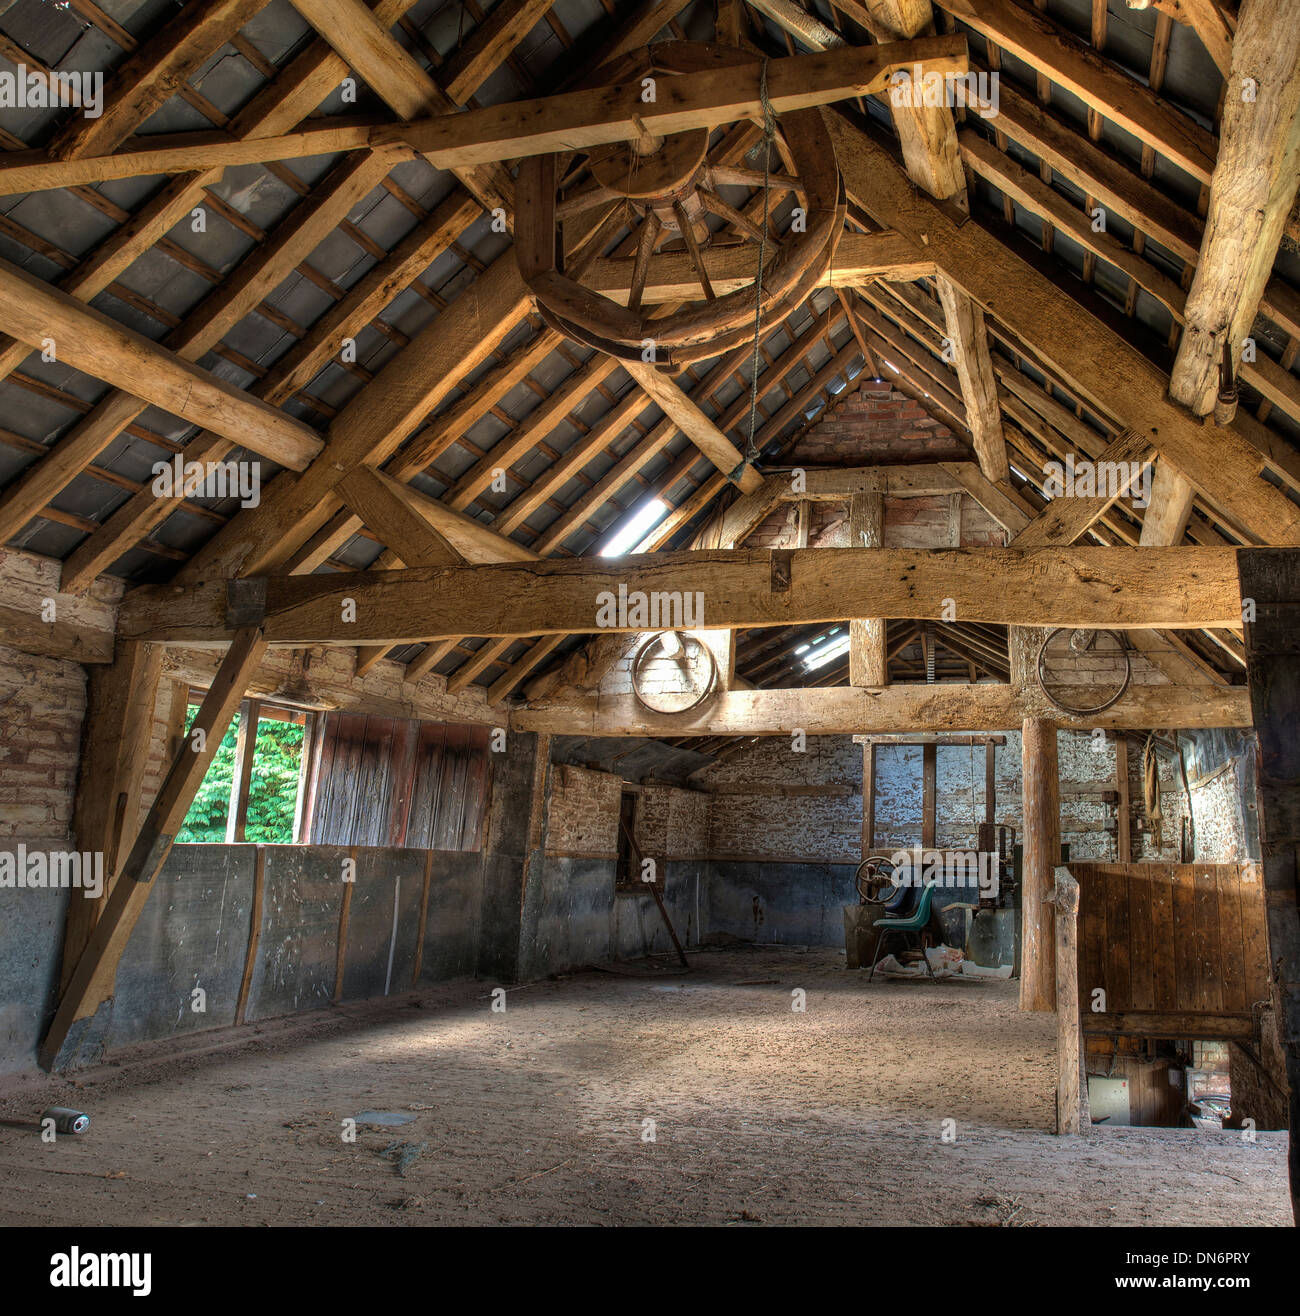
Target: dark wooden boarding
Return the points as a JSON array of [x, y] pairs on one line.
[[1181, 950]]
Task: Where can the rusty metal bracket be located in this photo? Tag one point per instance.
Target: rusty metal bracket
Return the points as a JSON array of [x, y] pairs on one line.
[[781, 570]]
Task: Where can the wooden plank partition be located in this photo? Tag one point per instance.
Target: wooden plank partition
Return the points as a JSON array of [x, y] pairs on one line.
[[391, 781], [1180, 950]]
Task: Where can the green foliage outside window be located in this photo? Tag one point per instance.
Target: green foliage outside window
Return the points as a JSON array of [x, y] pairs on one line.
[[272, 792]]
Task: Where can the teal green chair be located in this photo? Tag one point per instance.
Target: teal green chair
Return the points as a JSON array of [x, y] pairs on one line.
[[915, 922]]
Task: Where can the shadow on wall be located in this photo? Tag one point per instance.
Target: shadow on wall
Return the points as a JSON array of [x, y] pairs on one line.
[[579, 918], [785, 903]]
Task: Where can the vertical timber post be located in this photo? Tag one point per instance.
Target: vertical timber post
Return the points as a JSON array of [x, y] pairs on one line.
[[241, 784], [929, 793], [868, 650], [868, 798], [534, 858], [1068, 1082], [1042, 853], [1270, 595], [1123, 807], [90, 986], [115, 751]]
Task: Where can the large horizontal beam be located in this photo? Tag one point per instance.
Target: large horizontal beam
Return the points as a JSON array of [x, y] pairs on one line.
[[1086, 587], [328, 683], [859, 258], [567, 122], [71, 635], [844, 710], [840, 483], [581, 119]]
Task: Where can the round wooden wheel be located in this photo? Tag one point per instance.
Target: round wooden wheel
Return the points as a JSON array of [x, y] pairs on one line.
[[664, 189], [674, 672], [1082, 671]]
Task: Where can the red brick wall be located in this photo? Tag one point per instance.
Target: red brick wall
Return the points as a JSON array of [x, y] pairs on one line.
[[876, 423], [828, 527]]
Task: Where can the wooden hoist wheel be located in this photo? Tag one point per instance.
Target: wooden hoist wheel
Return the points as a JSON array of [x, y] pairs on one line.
[[664, 188]]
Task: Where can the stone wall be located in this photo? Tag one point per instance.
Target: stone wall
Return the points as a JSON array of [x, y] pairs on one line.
[[42, 704], [583, 816], [770, 802]]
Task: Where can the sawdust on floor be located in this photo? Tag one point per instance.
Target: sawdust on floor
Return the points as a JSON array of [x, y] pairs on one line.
[[637, 1096]]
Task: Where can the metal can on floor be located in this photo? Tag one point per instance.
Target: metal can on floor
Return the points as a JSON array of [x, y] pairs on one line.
[[65, 1119]]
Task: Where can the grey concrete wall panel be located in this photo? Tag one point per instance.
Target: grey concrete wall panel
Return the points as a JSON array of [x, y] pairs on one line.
[[298, 950], [193, 933]]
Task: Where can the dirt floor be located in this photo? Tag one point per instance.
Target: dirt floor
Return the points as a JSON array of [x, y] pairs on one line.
[[642, 1096]]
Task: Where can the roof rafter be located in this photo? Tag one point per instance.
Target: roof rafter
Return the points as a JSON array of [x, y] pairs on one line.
[[1099, 365], [1254, 185]]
